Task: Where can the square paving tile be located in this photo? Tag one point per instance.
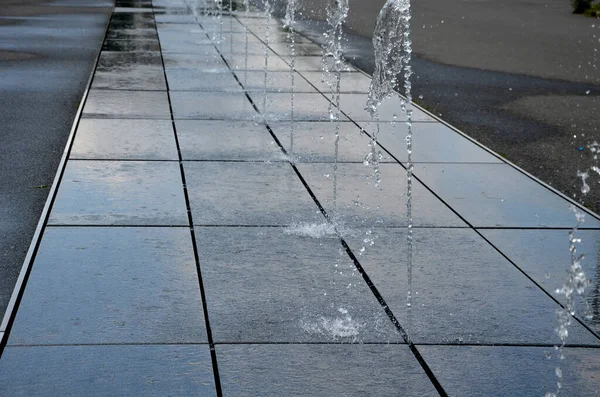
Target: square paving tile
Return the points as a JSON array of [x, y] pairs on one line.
[[127, 104], [122, 139], [226, 140], [544, 255], [512, 371], [497, 195], [314, 142], [390, 110], [120, 193], [132, 21], [432, 142], [194, 80], [212, 106], [175, 18], [350, 82], [248, 194], [362, 204], [464, 291], [267, 285], [186, 46], [307, 106], [130, 78], [111, 285], [116, 60], [106, 371], [206, 63], [131, 34], [131, 45], [321, 370], [276, 82], [236, 53], [257, 62]]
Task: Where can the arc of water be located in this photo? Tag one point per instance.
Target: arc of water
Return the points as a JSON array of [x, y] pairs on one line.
[[393, 52], [266, 70], [337, 12], [290, 20]]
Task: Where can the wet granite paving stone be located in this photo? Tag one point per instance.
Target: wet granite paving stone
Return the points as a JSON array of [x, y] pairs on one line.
[[123, 139], [247, 194], [321, 370], [132, 21], [307, 106], [269, 285], [131, 34], [255, 62], [350, 82], [116, 60], [544, 255], [362, 204], [111, 285], [226, 140], [131, 78], [208, 62], [254, 81], [314, 142], [432, 142], [70, 371], [353, 105], [120, 193], [127, 104], [198, 80], [212, 106], [464, 291], [498, 371], [498, 195], [131, 45]]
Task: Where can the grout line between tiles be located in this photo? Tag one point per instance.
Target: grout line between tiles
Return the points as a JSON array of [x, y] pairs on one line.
[[213, 353]]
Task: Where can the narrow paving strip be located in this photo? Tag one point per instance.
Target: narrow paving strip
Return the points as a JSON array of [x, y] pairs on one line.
[[185, 254]]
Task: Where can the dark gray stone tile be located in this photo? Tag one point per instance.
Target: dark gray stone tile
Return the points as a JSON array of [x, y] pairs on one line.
[[498, 195], [248, 194], [362, 204], [212, 106], [276, 82], [257, 62], [115, 60], [127, 104], [512, 371], [226, 140], [464, 291], [122, 139], [350, 82], [307, 106], [184, 44], [544, 255], [130, 78], [390, 110], [268, 285], [131, 45], [321, 370], [132, 21], [106, 371], [195, 80], [206, 63], [120, 193], [432, 142], [111, 285], [314, 142], [131, 34]]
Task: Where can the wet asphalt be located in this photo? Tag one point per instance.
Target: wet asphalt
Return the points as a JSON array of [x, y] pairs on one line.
[[47, 52]]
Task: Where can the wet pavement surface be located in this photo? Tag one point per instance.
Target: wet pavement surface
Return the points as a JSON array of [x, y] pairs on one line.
[[47, 53], [194, 248]]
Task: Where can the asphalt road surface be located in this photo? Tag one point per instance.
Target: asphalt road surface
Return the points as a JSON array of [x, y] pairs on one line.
[[47, 52], [519, 76]]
